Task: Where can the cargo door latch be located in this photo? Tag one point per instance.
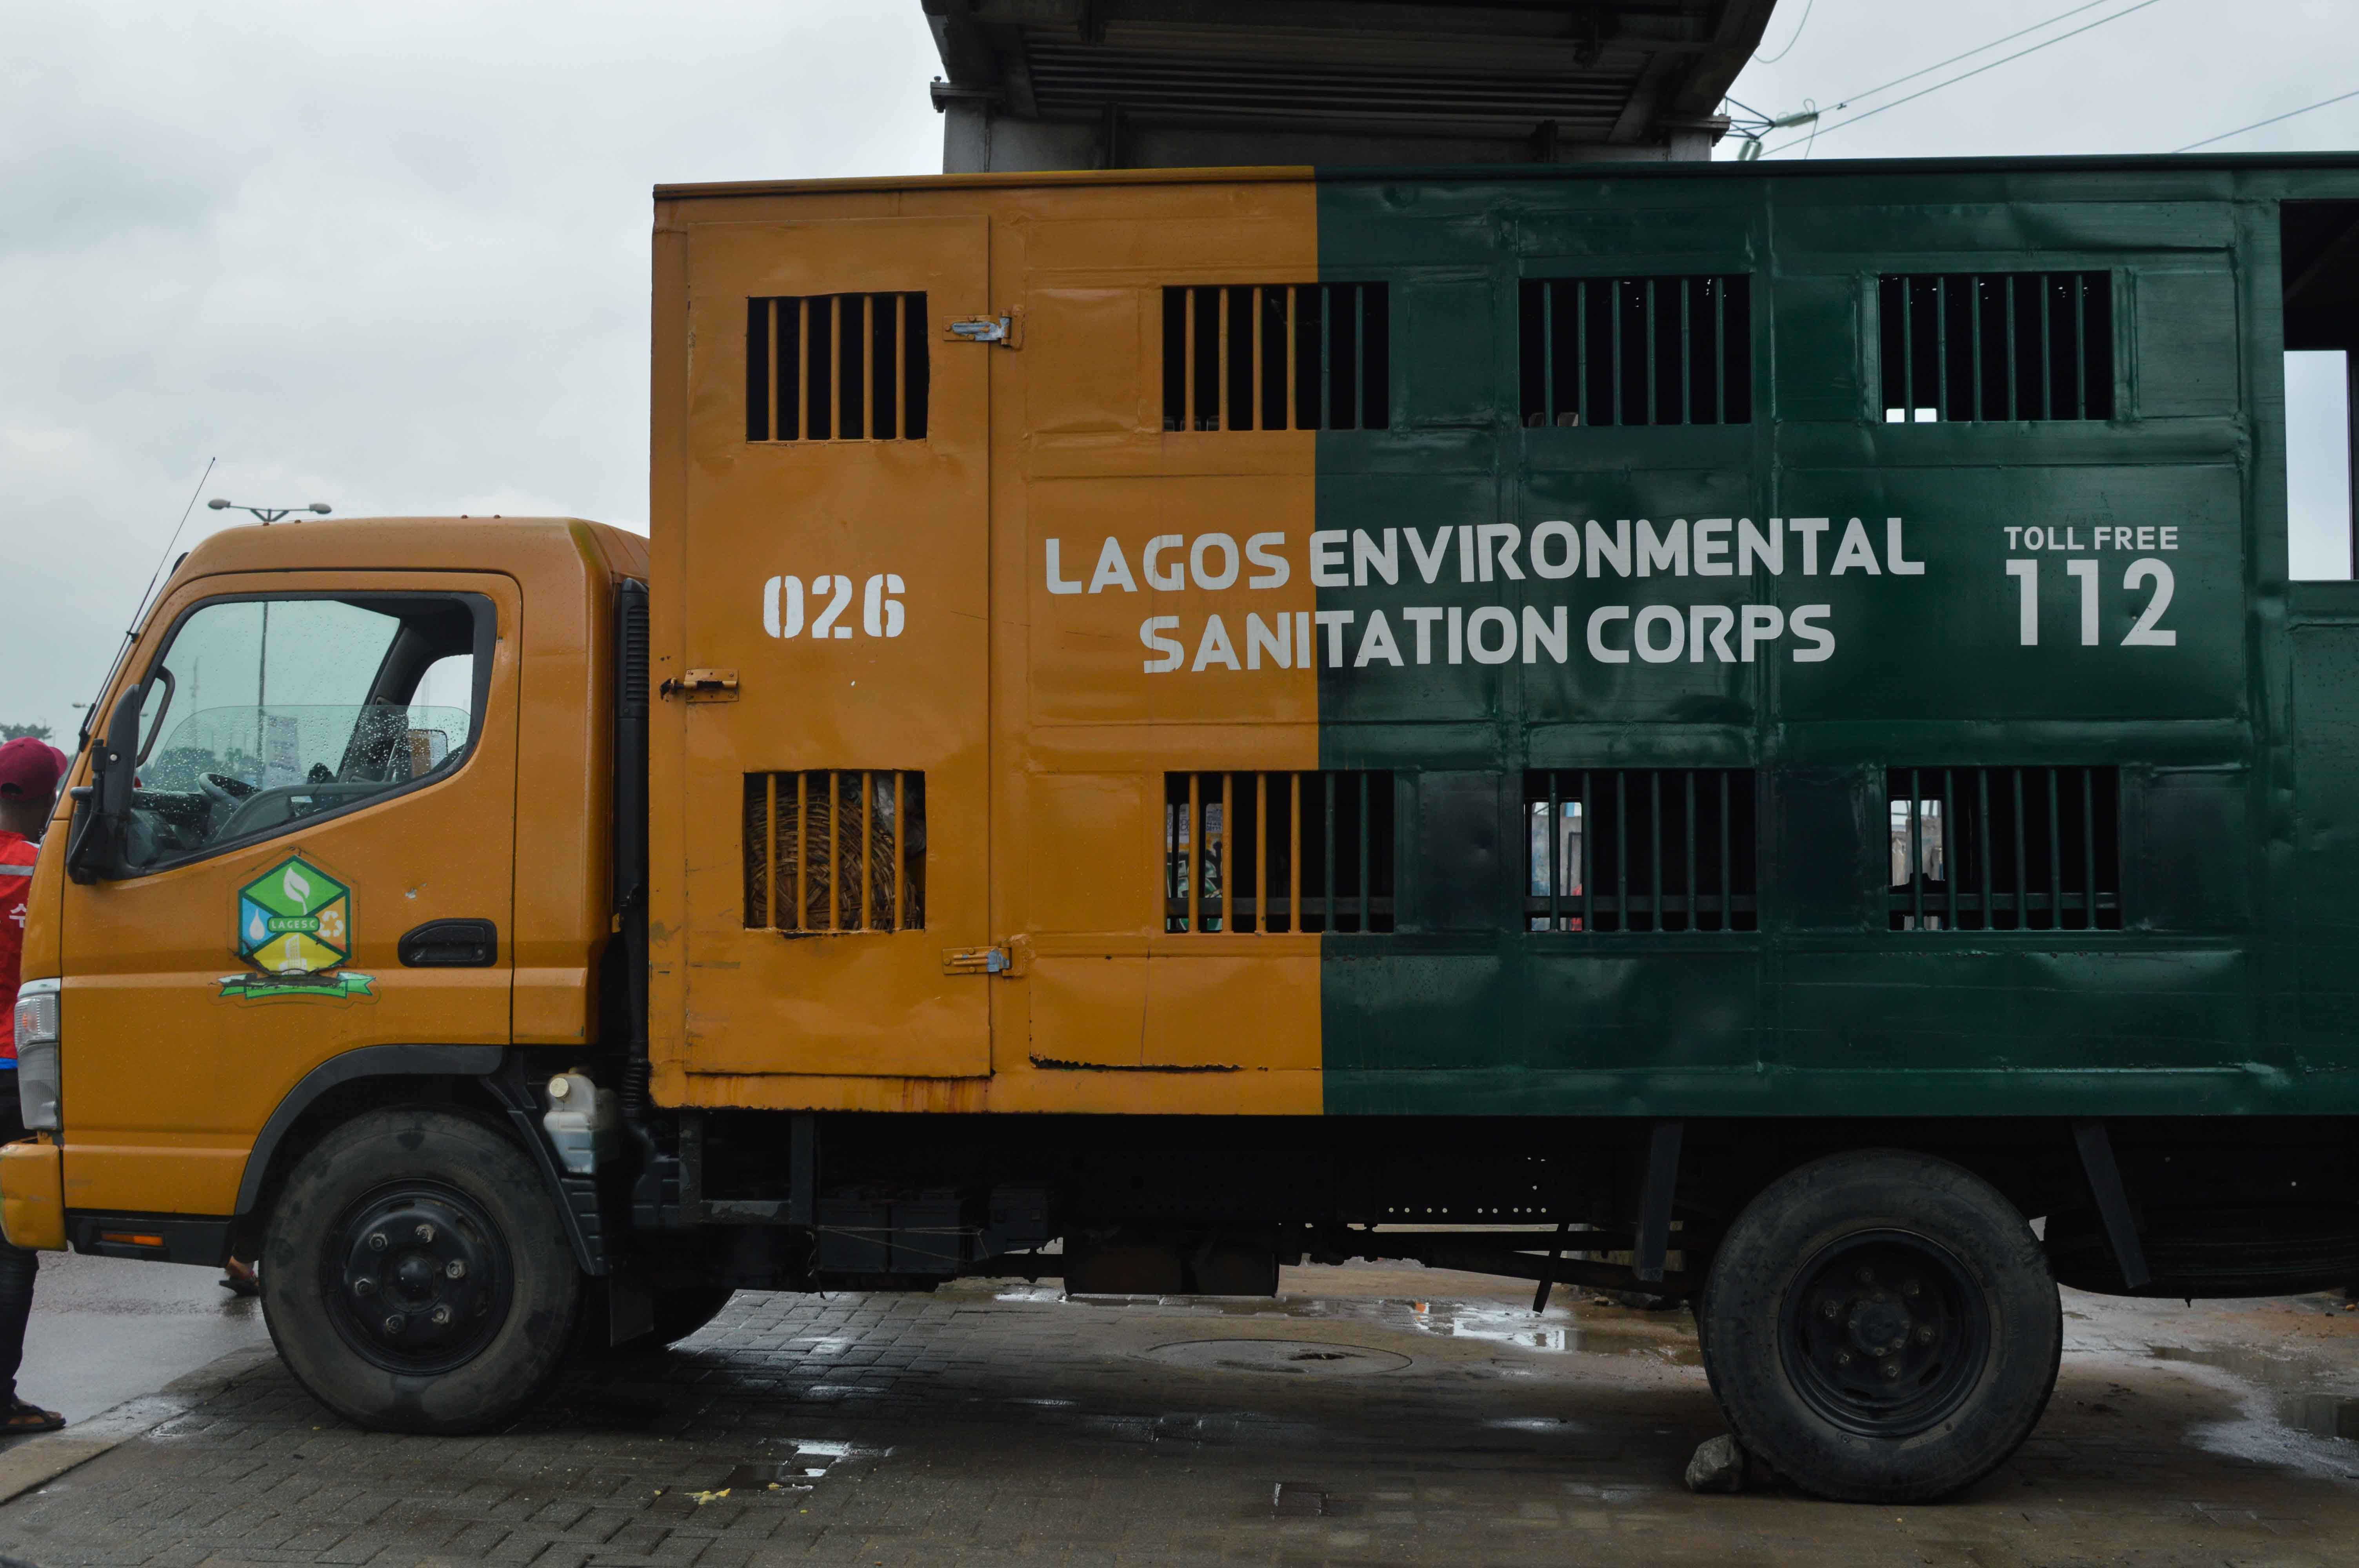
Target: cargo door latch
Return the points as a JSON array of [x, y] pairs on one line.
[[702, 685], [975, 961], [1006, 330]]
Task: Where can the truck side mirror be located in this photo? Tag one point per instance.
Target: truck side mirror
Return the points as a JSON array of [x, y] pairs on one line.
[[102, 807]]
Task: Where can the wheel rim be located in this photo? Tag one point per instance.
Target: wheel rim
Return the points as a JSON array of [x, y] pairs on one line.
[[1884, 1333], [417, 1278]]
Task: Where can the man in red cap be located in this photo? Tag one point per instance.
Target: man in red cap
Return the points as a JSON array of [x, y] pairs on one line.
[[29, 770]]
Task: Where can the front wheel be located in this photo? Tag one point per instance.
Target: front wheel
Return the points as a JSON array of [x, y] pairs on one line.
[[1882, 1327], [415, 1277]]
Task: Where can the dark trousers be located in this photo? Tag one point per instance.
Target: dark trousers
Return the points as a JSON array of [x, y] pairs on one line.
[[17, 1265]]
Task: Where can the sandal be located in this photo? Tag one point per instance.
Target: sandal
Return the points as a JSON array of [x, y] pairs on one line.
[[22, 1418], [239, 1280]]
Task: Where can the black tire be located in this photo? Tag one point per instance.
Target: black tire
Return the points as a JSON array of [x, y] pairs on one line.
[[415, 1275], [1888, 1389], [680, 1311]]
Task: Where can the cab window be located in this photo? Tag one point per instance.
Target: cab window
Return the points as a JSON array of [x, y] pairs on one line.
[[263, 714]]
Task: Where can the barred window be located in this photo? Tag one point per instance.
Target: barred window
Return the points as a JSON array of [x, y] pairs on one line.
[[1255, 853], [836, 367], [836, 851], [2004, 848], [1637, 351], [1996, 346], [1293, 356], [1630, 849]]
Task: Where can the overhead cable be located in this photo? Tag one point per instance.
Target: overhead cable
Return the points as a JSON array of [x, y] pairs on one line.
[[1829, 130], [1781, 54], [2270, 121]]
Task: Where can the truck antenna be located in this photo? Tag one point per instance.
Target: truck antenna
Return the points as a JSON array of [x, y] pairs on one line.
[[131, 633]]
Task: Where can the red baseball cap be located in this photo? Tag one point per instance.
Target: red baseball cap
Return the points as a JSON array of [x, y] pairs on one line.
[[30, 768]]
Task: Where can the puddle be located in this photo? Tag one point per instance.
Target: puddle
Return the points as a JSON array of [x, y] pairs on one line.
[[1294, 1358], [1555, 1330], [2291, 1384]]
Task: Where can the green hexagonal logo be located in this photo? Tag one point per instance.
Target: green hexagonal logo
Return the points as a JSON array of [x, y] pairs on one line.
[[295, 926]]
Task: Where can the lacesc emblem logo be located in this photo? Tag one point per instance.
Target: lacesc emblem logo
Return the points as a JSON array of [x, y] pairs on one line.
[[295, 926]]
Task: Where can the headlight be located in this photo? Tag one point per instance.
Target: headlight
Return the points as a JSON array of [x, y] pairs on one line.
[[37, 1055]]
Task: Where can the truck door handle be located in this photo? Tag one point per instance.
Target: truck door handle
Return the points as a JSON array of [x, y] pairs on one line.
[[450, 945]]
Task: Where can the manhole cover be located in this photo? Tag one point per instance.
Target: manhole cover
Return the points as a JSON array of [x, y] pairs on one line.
[[1300, 1357]]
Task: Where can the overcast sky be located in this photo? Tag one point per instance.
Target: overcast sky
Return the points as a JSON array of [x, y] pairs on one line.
[[394, 257]]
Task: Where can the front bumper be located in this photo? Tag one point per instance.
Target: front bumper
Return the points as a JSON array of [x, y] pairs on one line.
[[33, 1196]]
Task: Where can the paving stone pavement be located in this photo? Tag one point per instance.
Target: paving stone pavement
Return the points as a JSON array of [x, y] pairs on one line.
[[1404, 1417]]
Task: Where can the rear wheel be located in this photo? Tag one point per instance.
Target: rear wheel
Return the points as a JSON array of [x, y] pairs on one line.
[[416, 1278], [1882, 1327]]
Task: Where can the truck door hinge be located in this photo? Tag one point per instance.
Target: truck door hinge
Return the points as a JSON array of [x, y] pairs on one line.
[[1006, 330], [975, 961], [702, 685]]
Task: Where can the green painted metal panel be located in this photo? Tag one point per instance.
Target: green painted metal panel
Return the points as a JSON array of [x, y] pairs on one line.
[[2239, 839]]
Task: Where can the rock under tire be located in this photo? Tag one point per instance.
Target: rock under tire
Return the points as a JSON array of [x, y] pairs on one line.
[[1888, 1389], [400, 1197]]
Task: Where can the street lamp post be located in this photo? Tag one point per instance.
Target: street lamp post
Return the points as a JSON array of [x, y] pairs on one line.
[[266, 515]]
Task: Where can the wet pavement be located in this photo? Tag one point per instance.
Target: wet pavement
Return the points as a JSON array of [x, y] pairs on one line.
[[1371, 1415], [108, 1329]]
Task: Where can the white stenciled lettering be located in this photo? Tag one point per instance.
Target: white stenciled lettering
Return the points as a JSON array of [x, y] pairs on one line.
[[1429, 558], [1754, 547], [1804, 623], [782, 607], [1709, 540], [1598, 621], [1367, 556], [1277, 640], [1466, 552], [1171, 651], [1709, 625], [1422, 617], [1262, 550], [2148, 631], [1496, 542], [1456, 627], [1334, 621], [1206, 576], [1663, 615], [1170, 580], [1113, 571], [2025, 573], [1898, 563], [1666, 552], [1327, 568], [1552, 532], [1609, 552], [1376, 642], [1480, 646], [1550, 633], [1757, 624], [841, 587], [1057, 581], [1214, 647], [1855, 552], [880, 606], [1809, 528]]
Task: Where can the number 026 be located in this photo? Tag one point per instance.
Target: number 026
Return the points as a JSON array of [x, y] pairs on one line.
[[784, 604]]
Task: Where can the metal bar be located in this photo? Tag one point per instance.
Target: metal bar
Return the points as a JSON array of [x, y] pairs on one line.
[[1360, 361], [900, 428], [2080, 346], [1367, 907], [1294, 849], [868, 423], [1655, 1193], [1689, 776], [1950, 845], [1327, 904], [2112, 1199], [1192, 852], [770, 864], [1223, 416], [867, 849], [802, 850], [1261, 845], [1686, 352], [771, 315], [1916, 852], [1548, 353], [1554, 854], [803, 375], [1974, 304], [1982, 782], [2022, 892], [1556, 1250], [900, 855], [1941, 346], [1727, 856], [1256, 395], [1908, 350], [1654, 413], [835, 851], [1588, 821], [1655, 833], [2047, 352], [1581, 355], [1326, 356], [2089, 845], [2010, 346], [1614, 353], [1228, 900], [1622, 848], [2055, 856], [1293, 393], [835, 396], [1188, 359], [1720, 351]]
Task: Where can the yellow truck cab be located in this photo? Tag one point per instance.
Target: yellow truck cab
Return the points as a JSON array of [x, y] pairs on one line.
[[1739, 731]]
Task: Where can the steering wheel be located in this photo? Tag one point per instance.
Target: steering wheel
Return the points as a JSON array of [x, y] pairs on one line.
[[224, 790]]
